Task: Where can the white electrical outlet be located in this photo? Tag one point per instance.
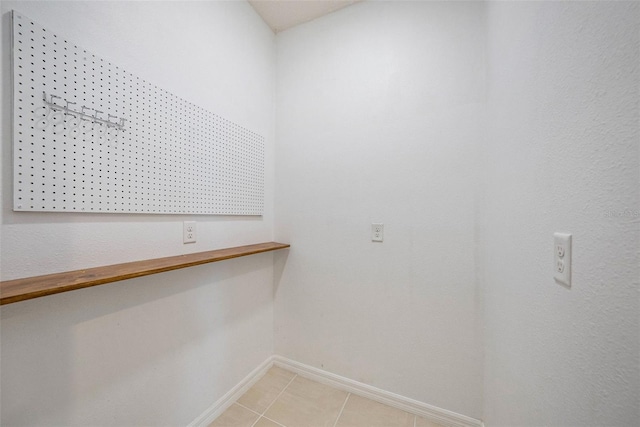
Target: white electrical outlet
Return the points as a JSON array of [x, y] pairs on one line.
[[562, 258], [377, 232], [189, 232]]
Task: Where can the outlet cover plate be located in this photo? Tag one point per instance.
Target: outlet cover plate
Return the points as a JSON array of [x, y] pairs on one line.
[[377, 232], [562, 258], [189, 232]]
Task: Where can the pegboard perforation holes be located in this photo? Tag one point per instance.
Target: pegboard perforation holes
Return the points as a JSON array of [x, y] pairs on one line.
[[174, 157]]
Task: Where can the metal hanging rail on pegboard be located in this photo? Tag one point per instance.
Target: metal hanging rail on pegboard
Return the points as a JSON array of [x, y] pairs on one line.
[[80, 114]]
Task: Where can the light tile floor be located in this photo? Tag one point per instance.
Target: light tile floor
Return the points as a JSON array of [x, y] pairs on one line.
[[284, 399]]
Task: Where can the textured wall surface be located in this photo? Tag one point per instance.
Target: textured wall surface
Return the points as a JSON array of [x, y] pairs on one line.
[[156, 350], [379, 120], [473, 131], [562, 155]]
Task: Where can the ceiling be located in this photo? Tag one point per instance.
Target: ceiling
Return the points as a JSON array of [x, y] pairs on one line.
[[283, 14]]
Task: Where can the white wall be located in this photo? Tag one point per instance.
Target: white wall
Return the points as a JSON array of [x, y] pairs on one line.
[[379, 119], [156, 350], [562, 155], [382, 116]]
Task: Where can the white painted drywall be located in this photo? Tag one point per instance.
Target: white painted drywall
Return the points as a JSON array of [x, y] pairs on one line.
[[382, 116], [562, 155], [157, 350], [379, 119]]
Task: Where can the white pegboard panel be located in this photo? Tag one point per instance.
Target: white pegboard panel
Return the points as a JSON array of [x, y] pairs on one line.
[[122, 144]]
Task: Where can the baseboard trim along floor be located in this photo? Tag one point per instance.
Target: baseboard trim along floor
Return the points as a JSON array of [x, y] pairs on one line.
[[221, 405], [438, 415]]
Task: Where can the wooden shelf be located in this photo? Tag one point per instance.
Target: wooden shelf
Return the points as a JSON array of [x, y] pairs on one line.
[[39, 286]]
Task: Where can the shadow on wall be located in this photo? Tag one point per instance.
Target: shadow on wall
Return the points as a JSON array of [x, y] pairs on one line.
[[279, 263], [88, 345]]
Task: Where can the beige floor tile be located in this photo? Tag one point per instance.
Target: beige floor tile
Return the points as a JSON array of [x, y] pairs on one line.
[[263, 393], [423, 422], [361, 412], [235, 416], [263, 422], [306, 403]]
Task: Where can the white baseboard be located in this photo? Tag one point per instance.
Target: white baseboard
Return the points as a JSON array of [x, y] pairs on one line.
[[430, 412], [221, 405]]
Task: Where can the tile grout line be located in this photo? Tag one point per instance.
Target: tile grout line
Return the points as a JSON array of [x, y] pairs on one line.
[[259, 416], [274, 401], [342, 409], [256, 421], [275, 422], [247, 408], [280, 394]]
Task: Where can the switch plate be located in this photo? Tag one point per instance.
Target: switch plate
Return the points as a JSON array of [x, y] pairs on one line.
[[377, 232], [562, 258], [189, 232]]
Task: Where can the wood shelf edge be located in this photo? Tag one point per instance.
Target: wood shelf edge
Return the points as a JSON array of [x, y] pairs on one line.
[[16, 290]]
